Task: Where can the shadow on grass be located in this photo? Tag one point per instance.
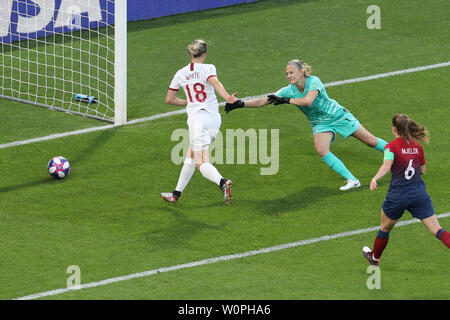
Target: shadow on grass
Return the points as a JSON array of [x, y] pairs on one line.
[[296, 200], [94, 146], [302, 199], [178, 232], [80, 157], [29, 184]]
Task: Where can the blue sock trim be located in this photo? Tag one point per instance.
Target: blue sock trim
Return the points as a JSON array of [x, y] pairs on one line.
[[381, 144], [438, 234], [382, 234]]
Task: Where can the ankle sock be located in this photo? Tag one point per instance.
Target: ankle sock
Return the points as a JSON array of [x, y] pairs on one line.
[[176, 194]]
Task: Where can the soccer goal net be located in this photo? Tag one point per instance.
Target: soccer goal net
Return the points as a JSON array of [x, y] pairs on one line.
[[66, 55]]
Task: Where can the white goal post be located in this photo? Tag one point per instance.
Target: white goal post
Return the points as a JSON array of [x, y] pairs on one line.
[[66, 55], [120, 63]]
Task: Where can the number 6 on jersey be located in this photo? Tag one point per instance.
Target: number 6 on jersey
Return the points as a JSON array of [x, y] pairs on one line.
[[410, 171]]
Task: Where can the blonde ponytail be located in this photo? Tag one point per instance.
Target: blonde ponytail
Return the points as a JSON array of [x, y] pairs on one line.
[[302, 66], [196, 48]]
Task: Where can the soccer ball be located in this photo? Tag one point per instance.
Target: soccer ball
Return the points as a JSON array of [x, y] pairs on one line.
[[58, 167]]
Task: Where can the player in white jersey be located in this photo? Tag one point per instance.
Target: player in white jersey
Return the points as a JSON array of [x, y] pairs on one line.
[[199, 82]]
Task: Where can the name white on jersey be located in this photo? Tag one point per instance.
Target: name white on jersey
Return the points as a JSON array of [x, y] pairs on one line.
[[200, 94]]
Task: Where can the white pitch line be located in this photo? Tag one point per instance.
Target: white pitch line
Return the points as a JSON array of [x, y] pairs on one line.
[[216, 259], [54, 136], [389, 74], [181, 111]]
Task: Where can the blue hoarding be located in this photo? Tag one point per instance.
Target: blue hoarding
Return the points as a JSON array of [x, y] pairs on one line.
[[24, 19], [141, 10]]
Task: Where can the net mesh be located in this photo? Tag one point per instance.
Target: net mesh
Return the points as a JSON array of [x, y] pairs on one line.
[[72, 55]]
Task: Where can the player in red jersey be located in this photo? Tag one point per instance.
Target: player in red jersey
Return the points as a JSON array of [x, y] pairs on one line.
[[405, 158]]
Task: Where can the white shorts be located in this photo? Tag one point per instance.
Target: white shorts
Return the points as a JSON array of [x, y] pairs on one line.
[[203, 129]]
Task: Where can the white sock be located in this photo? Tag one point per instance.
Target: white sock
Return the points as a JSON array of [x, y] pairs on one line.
[[186, 174], [210, 172]]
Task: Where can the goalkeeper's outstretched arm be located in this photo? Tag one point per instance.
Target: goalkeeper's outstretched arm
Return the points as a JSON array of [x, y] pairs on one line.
[[256, 103]]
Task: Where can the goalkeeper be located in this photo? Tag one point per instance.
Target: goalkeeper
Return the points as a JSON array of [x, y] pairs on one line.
[[327, 116]]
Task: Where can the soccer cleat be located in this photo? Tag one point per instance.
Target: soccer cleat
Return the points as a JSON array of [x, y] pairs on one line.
[[350, 185], [226, 188], [168, 196], [368, 254]]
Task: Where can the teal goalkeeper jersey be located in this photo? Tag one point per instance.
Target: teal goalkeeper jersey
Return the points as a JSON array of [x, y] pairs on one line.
[[323, 108]]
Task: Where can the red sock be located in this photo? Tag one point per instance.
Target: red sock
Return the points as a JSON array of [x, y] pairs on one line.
[[381, 242], [444, 236], [378, 247]]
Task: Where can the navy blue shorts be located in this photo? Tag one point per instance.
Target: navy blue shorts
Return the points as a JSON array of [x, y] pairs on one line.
[[418, 203]]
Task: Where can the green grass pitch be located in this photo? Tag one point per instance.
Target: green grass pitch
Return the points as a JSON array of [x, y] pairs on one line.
[[107, 217]]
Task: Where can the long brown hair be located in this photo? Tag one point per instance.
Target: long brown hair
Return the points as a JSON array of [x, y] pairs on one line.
[[408, 128]]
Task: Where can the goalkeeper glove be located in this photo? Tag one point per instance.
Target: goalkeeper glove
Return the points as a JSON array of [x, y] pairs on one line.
[[277, 100], [234, 105]]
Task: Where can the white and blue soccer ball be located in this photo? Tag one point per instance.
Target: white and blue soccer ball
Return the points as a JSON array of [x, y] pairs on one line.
[[58, 167]]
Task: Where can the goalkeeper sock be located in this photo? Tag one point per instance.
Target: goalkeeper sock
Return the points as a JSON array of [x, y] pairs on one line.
[[381, 144], [186, 174], [337, 165], [210, 172]]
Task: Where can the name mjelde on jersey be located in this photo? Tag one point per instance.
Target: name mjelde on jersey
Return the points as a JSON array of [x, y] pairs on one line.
[[410, 151]]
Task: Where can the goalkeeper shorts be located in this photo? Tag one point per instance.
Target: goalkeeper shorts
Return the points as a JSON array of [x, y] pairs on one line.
[[203, 129], [345, 126]]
